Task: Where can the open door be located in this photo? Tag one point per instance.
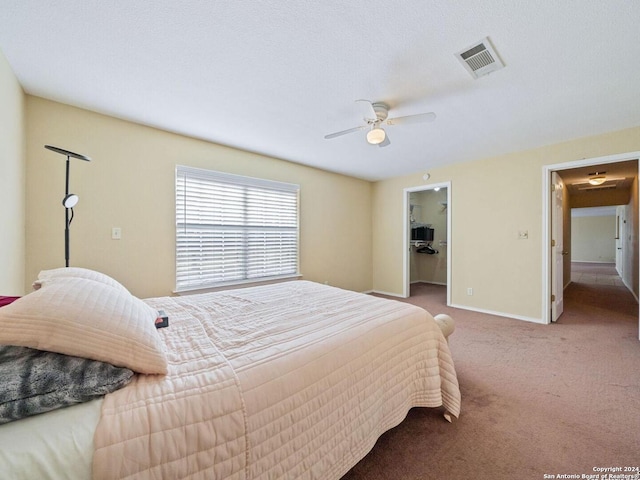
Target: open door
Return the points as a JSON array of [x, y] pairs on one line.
[[557, 247], [619, 242]]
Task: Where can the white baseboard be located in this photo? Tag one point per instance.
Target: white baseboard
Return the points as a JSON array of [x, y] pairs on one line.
[[479, 310], [389, 294], [500, 314], [630, 289], [429, 282]]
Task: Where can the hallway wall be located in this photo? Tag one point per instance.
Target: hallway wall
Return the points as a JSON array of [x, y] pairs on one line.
[[593, 238]]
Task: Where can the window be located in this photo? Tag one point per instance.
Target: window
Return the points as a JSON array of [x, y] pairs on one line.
[[233, 229]]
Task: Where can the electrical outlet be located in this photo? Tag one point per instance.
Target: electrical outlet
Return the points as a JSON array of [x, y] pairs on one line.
[[116, 233], [469, 291]]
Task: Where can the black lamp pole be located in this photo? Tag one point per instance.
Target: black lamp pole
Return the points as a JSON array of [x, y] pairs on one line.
[[66, 218], [70, 200]]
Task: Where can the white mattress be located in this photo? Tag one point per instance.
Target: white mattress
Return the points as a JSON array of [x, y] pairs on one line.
[[53, 445]]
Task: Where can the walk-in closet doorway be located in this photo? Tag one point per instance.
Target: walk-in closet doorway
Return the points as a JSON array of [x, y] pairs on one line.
[[427, 233]]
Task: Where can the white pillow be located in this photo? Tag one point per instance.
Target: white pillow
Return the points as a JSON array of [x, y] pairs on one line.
[[78, 272], [86, 318]]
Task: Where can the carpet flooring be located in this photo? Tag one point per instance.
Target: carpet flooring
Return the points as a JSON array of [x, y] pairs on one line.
[[599, 273], [554, 400]]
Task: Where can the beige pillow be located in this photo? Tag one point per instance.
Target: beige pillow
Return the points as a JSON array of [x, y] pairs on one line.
[[86, 318], [65, 272]]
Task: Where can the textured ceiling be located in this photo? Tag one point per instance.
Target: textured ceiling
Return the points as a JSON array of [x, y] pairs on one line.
[[275, 76]]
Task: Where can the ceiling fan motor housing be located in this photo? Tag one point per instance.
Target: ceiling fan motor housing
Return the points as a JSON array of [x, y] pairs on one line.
[[382, 111]]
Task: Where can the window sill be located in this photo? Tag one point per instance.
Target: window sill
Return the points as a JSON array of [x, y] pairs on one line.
[[235, 285]]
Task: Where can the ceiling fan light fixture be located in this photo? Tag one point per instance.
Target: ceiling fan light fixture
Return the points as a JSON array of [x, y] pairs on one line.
[[376, 136], [599, 180]]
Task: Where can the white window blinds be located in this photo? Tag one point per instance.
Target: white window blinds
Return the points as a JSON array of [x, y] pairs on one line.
[[233, 229]]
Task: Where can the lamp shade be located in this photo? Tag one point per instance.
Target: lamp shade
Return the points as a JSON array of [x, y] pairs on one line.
[[376, 136], [599, 180], [70, 200], [67, 153]]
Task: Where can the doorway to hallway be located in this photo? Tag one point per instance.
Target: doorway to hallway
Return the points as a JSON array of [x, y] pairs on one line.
[[583, 195]]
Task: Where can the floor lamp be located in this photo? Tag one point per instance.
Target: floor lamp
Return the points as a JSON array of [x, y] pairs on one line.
[[70, 199]]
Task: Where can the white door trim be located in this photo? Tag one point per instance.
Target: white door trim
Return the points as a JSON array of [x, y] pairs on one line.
[[406, 271], [546, 216]]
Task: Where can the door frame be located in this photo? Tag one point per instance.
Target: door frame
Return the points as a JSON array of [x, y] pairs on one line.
[[547, 258], [406, 269]]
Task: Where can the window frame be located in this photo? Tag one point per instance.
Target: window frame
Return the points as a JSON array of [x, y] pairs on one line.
[[185, 281]]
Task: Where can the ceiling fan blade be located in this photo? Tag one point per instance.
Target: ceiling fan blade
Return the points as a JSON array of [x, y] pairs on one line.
[[385, 142], [344, 132], [368, 110], [418, 118]]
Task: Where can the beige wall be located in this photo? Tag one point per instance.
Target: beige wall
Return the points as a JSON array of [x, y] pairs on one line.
[[130, 184], [12, 182], [492, 199], [593, 239]]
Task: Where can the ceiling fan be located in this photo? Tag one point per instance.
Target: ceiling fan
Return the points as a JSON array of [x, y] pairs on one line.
[[376, 116]]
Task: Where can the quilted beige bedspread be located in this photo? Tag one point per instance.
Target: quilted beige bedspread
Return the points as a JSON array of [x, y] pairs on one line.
[[293, 380]]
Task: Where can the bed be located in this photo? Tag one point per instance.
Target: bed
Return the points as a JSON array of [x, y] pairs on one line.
[[291, 380]]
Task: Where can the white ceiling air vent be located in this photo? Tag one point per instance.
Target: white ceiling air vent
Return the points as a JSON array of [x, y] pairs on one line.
[[480, 59], [598, 188]]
